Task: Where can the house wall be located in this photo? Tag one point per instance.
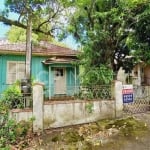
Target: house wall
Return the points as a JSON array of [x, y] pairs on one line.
[[40, 73], [136, 76], [39, 70], [147, 75], [3, 66]]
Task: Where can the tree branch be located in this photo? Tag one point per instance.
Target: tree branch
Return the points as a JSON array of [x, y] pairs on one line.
[[18, 24], [50, 17]]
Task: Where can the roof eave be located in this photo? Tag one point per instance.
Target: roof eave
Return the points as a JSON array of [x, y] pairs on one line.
[[35, 54]]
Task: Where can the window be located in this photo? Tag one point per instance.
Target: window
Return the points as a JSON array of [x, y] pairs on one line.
[[59, 72], [15, 71]]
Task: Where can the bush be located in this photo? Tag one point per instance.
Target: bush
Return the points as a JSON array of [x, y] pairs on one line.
[[12, 97], [97, 76], [10, 130]]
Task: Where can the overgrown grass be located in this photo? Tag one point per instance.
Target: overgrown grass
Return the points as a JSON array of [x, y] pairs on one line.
[[85, 136], [130, 127]]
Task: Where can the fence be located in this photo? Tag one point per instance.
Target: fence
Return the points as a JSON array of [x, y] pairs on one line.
[[141, 103], [61, 113], [97, 92]]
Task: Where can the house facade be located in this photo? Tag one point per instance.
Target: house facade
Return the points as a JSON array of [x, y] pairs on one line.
[[139, 76], [52, 65]]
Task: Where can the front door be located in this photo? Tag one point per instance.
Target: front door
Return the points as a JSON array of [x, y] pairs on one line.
[[60, 80]]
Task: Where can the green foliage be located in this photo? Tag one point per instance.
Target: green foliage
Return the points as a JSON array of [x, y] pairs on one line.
[[99, 135], [96, 76], [111, 30], [46, 16], [12, 97], [129, 127], [10, 130], [89, 107], [16, 34]]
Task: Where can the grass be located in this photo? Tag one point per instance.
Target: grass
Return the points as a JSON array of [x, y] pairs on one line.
[[85, 136]]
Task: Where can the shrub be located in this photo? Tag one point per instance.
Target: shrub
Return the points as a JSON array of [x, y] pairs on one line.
[[10, 130], [12, 97], [97, 76]]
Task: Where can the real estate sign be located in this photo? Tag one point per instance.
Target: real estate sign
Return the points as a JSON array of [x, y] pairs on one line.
[[127, 93]]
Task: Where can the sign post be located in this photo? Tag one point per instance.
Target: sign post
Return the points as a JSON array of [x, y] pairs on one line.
[[127, 93]]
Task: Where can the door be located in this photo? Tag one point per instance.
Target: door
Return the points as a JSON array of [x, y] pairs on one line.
[[60, 80]]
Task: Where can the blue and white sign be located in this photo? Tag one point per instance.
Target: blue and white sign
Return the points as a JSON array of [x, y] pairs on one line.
[[127, 93]]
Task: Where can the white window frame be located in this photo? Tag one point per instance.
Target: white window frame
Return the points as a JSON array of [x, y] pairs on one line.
[[10, 79]]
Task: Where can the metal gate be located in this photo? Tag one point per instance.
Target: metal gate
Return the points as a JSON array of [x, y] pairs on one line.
[[141, 101]]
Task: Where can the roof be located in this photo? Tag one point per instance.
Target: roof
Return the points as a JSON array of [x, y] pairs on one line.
[[40, 49], [62, 60]]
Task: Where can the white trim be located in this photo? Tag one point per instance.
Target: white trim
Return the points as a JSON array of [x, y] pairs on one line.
[[75, 78], [49, 74]]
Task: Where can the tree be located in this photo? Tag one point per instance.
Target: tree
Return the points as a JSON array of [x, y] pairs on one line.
[[139, 40], [46, 14], [34, 15], [17, 34], [106, 28]]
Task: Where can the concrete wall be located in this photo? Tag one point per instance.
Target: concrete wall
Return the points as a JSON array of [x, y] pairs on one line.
[[57, 114], [54, 114], [21, 114]]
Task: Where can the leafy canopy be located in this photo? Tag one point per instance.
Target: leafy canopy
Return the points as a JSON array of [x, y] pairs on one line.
[[110, 30], [46, 15]]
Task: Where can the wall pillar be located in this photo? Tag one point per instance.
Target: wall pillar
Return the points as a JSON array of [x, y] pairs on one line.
[[38, 97], [118, 98]]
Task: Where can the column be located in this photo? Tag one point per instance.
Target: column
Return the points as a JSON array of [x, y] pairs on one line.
[[38, 97], [118, 99]]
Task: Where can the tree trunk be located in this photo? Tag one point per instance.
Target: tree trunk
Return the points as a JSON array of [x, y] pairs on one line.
[[28, 47]]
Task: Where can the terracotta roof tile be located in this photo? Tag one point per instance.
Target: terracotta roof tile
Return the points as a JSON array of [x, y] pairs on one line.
[[43, 48]]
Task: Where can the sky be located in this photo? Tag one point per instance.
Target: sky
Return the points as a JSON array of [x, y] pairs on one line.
[[4, 29]]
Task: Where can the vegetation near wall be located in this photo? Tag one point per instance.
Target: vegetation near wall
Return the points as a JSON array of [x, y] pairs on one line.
[[12, 132]]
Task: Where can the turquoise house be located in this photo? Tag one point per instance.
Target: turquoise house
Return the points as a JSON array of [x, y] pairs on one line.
[[52, 65]]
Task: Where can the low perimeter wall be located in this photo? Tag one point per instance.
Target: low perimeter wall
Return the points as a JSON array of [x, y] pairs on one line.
[[76, 112], [52, 114], [63, 113]]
